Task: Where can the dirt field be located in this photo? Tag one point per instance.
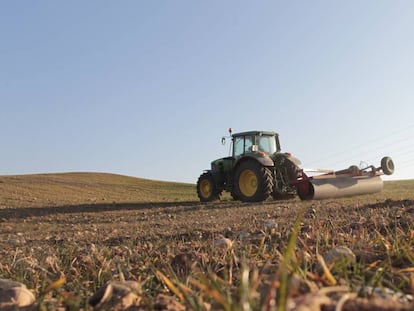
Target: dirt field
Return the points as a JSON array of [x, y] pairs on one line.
[[66, 235]]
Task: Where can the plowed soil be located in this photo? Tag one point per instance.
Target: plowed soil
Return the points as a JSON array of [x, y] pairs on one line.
[[93, 228]]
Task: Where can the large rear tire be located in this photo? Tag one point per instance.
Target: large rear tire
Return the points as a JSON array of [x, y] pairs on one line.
[[207, 189], [253, 182]]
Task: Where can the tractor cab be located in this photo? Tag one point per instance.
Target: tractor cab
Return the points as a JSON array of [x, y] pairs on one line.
[[255, 142], [259, 145]]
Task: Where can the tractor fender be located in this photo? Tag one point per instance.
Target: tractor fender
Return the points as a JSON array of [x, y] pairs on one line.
[[263, 159], [218, 177], [281, 157], [215, 174]]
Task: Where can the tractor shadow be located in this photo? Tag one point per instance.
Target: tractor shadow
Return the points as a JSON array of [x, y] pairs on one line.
[[167, 207], [27, 212]]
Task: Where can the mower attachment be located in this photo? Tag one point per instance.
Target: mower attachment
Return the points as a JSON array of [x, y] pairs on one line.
[[343, 183]]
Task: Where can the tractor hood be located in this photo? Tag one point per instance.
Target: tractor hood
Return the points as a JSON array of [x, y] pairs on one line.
[[224, 164]]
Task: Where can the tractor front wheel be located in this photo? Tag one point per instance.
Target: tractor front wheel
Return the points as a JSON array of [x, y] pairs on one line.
[[207, 189], [253, 182]]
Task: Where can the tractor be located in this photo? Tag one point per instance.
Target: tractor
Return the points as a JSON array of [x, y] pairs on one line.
[[257, 169]]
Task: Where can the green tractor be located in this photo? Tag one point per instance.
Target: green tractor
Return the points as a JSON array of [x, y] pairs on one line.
[[256, 170]]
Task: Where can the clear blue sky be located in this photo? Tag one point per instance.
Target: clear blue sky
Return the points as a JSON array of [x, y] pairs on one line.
[[147, 88]]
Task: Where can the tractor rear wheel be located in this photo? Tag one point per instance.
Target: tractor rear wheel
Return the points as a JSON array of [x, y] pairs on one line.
[[207, 189], [253, 182]]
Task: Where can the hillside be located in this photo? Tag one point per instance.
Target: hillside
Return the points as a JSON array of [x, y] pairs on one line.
[[87, 188], [59, 189]]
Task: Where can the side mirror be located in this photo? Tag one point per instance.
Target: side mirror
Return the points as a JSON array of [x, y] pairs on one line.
[[223, 141]]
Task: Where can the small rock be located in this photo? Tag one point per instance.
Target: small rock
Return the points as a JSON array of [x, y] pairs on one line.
[[8, 284], [385, 293], [14, 294], [304, 257], [243, 235], [223, 243], [167, 303], [310, 213], [338, 257], [270, 224], [116, 295], [299, 286], [308, 302], [182, 263]]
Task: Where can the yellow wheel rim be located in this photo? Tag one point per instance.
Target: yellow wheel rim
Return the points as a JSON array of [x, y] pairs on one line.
[[248, 183], [205, 188]]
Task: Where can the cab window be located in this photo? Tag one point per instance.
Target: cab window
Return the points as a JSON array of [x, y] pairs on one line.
[[242, 145], [267, 144]]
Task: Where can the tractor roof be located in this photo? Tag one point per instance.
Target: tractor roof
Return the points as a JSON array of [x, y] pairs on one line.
[[255, 133]]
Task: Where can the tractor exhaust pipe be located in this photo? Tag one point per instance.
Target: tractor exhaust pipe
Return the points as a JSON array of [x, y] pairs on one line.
[[343, 183]]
